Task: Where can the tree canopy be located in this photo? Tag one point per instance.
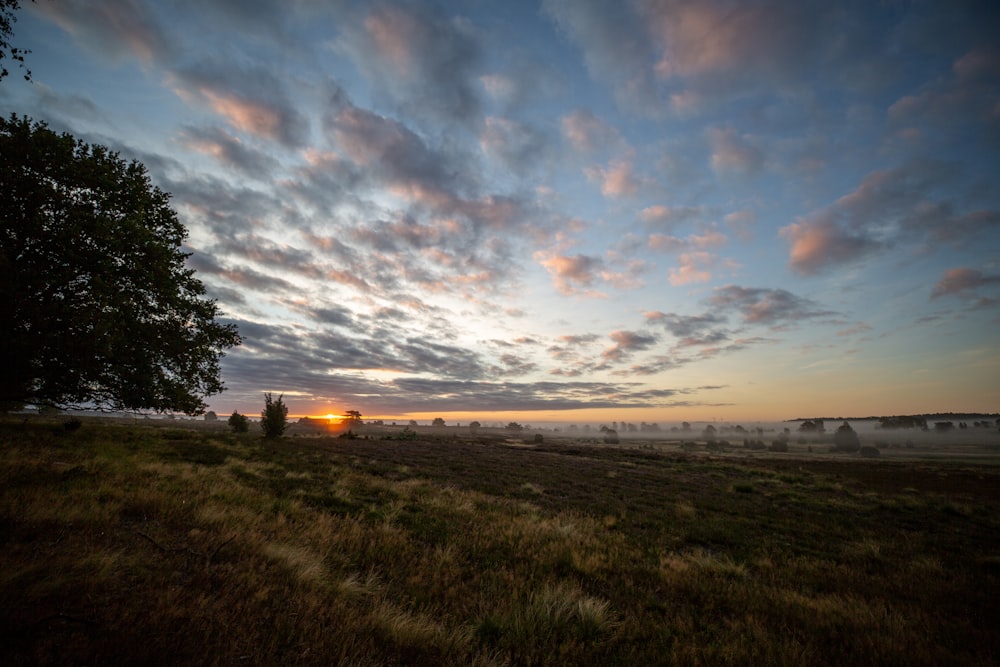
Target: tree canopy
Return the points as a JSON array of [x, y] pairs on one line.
[[97, 307]]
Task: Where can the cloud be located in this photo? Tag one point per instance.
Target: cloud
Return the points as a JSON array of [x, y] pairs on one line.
[[693, 245], [903, 205], [772, 307], [712, 38], [684, 326], [627, 342], [519, 147], [571, 273], [961, 281], [251, 100], [817, 244], [734, 153], [741, 223], [615, 45], [117, 29], [617, 180], [859, 328], [693, 268], [587, 133], [944, 110], [426, 61], [228, 150], [667, 217], [630, 278]]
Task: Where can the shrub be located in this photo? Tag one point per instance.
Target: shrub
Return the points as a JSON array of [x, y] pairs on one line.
[[239, 423], [73, 424], [779, 446], [845, 439], [274, 416], [869, 452]]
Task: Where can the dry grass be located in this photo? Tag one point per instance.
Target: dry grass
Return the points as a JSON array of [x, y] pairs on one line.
[[140, 545]]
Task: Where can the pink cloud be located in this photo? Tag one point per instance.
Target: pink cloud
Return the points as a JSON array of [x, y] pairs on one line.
[[251, 116], [817, 244], [587, 133], [571, 273], [393, 33], [617, 180], [663, 216], [630, 278], [979, 63], [962, 280], [700, 38], [116, 28], [693, 268]]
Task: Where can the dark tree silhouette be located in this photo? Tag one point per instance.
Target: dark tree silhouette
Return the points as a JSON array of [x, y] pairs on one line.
[[845, 439], [97, 307], [353, 417], [7, 20], [239, 423], [274, 416]]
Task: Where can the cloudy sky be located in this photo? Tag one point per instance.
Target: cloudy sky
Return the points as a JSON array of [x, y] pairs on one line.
[[573, 210]]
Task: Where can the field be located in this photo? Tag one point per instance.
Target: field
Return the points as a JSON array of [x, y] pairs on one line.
[[167, 544]]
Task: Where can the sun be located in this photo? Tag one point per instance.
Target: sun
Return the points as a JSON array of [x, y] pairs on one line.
[[330, 417]]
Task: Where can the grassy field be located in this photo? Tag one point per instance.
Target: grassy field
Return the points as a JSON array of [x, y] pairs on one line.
[[142, 544]]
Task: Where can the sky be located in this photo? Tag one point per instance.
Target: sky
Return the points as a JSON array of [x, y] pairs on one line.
[[567, 210]]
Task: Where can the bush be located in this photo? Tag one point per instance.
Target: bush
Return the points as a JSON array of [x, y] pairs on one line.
[[73, 424], [239, 423], [869, 452], [274, 416], [845, 439]]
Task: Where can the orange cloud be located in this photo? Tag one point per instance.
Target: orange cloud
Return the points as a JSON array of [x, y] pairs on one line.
[[249, 116]]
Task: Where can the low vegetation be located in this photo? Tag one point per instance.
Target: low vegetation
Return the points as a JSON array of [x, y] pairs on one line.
[[153, 543]]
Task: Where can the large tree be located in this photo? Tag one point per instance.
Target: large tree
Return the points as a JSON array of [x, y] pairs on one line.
[[97, 307]]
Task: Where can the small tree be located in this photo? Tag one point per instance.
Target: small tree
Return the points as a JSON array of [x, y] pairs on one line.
[[846, 439], [274, 417], [353, 417], [475, 426], [438, 421], [239, 423], [210, 416]]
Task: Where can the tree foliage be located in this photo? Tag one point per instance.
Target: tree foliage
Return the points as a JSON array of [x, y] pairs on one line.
[[239, 423], [7, 20], [97, 307], [274, 416]]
